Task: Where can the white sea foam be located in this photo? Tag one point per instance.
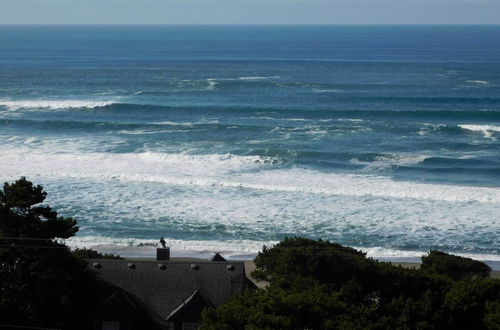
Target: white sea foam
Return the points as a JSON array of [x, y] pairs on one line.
[[230, 171], [317, 90], [481, 82], [384, 253], [263, 118], [258, 78], [144, 132], [53, 104], [179, 123], [147, 246], [354, 120], [382, 162], [296, 119], [212, 84], [220, 197], [429, 127], [487, 130]]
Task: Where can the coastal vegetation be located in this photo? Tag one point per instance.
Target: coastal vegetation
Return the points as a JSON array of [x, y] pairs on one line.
[[85, 253], [317, 284], [42, 283]]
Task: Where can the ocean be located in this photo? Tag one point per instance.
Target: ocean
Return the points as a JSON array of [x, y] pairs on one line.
[[228, 138]]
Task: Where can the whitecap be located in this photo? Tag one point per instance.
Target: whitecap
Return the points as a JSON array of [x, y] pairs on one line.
[[147, 247], [53, 104], [212, 84], [481, 82], [317, 90], [354, 120], [296, 119], [487, 130], [144, 132], [429, 127], [258, 77], [382, 162], [173, 123], [388, 254]]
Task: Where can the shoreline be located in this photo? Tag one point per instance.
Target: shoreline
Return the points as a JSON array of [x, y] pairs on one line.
[[149, 252], [250, 266]]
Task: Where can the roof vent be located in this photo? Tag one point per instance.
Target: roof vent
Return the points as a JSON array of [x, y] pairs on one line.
[[230, 267], [131, 266], [195, 267], [96, 265], [162, 266]]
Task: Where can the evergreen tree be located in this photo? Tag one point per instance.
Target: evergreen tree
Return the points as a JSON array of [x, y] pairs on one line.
[[41, 283]]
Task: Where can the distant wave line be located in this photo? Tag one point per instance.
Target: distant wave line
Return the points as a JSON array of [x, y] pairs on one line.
[[53, 104]]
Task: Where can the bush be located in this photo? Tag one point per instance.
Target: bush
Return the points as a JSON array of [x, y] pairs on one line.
[[454, 266], [325, 261], [93, 254]]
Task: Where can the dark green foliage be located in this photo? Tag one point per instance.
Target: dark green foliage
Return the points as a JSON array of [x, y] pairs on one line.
[[93, 254], [454, 266], [279, 308], [325, 261], [466, 300], [23, 216], [41, 283], [323, 285], [492, 315]]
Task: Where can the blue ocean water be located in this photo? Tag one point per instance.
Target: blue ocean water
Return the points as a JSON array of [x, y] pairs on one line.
[[384, 138]]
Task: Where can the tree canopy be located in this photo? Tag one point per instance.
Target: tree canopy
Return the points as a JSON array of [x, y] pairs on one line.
[[324, 285], [455, 267], [24, 216], [41, 283]]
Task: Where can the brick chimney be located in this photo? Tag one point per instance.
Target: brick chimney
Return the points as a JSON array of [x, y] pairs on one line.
[[163, 253]]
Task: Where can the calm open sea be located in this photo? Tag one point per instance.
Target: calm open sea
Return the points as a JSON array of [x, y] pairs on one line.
[[385, 138]]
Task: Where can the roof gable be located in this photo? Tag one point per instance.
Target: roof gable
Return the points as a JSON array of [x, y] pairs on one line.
[[195, 301], [120, 303]]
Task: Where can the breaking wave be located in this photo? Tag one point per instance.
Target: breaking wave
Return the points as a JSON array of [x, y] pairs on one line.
[[233, 172], [487, 130], [53, 104]]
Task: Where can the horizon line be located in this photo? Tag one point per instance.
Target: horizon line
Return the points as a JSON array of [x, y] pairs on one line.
[[248, 24]]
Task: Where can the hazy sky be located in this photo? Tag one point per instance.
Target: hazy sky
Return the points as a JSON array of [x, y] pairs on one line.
[[250, 11]]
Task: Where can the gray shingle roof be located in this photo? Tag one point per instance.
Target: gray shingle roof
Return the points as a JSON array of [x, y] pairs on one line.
[[163, 289]]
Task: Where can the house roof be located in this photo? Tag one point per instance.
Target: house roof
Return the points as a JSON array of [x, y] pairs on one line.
[[163, 286]]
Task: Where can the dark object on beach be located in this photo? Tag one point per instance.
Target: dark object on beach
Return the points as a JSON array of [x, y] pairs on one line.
[[454, 266], [163, 243]]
